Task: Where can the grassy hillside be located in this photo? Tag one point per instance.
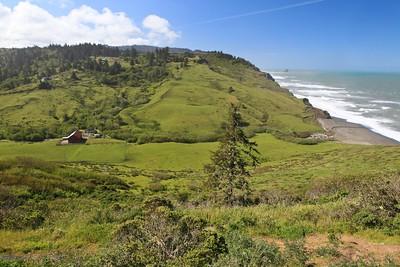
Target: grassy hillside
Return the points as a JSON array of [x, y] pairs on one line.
[[324, 192], [183, 98]]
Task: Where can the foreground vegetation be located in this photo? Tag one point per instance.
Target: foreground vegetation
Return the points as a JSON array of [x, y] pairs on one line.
[[95, 212]]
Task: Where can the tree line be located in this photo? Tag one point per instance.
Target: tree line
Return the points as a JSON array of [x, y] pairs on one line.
[[20, 66]]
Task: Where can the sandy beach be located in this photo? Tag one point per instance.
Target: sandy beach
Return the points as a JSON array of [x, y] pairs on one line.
[[352, 133]]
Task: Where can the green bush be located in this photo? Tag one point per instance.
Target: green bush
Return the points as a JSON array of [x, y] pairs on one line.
[[395, 225], [154, 202], [327, 251], [295, 253], [183, 196], [11, 263], [167, 237], [243, 251], [29, 215], [156, 186], [366, 219]]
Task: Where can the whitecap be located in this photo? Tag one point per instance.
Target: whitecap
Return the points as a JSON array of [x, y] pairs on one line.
[[276, 77], [367, 110], [385, 102], [322, 93], [307, 85]]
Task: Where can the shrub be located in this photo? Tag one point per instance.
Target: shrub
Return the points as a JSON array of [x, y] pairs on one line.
[[183, 196], [156, 186], [295, 253], [302, 134], [164, 236], [154, 202], [366, 219], [102, 215], [11, 263], [382, 195], [124, 255], [395, 225], [243, 223], [27, 184], [327, 251], [29, 215], [243, 251]]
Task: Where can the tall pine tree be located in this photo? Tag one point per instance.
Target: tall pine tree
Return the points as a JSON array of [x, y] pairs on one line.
[[229, 170]]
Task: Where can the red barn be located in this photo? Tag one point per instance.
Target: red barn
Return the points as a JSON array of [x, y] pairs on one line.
[[74, 138]]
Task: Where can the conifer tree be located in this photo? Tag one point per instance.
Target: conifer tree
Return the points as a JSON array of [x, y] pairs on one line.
[[229, 170]]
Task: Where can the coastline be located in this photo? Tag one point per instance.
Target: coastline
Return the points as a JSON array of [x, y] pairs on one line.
[[337, 127], [352, 133]]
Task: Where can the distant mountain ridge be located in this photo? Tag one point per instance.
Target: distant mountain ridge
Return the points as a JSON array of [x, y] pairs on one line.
[[152, 49]]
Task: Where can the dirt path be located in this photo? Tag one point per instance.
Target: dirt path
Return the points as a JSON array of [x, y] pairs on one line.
[[350, 248]]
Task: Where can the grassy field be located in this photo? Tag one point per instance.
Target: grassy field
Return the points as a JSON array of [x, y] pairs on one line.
[[162, 156], [284, 165], [84, 224]]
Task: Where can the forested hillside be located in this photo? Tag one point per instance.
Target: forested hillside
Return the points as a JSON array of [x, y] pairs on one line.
[[139, 97]]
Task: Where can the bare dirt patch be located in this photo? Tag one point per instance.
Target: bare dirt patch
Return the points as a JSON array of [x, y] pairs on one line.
[[349, 248]]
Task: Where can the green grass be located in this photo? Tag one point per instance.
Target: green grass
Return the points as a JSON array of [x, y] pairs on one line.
[[190, 105], [194, 105], [288, 222], [162, 156], [80, 225], [285, 165]]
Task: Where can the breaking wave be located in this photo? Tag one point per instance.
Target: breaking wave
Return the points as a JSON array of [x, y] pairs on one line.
[[353, 106]]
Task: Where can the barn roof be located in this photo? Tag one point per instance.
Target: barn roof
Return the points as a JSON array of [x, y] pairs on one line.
[[72, 134]]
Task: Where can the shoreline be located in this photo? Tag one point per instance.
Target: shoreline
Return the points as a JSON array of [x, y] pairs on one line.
[[353, 133], [341, 129]]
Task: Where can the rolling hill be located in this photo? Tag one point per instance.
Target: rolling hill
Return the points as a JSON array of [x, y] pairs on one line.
[[152, 97]]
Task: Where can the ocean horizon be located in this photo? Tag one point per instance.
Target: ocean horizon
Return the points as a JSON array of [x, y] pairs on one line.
[[371, 99]]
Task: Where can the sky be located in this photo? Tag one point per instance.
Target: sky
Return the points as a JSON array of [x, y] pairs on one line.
[[273, 34]]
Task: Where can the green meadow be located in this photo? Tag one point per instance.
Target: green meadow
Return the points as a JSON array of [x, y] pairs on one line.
[[290, 174], [285, 165]]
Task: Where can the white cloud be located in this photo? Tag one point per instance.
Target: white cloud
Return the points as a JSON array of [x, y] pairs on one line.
[[160, 29], [27, 24]]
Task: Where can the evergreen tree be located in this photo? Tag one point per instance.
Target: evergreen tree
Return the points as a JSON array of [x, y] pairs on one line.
[[230, 165], [133, 53], [150, 57], [115, 68], [74, 76]]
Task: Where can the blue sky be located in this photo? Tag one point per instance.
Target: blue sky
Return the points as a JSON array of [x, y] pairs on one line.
[[330, 34]]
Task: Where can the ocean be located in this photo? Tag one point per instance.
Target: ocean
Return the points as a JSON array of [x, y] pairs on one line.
[[366, 98]]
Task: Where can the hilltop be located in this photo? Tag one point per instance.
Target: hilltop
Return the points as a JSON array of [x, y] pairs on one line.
[[140, 94]]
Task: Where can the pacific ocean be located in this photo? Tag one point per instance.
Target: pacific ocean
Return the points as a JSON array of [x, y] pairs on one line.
[[371, 99]]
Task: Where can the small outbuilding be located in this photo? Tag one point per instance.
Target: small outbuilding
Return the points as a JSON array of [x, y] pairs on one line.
[[75, 137]]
